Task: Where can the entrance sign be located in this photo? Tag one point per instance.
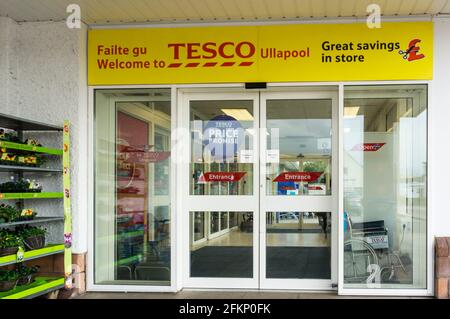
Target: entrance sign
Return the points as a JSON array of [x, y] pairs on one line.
[[221, 177], [298, 177], [271, 53]]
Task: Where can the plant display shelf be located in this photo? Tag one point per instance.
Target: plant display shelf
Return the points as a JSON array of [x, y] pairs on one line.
[[36, 220], [41, 286], [33, 254], [28, 169], [31, 148], [46, 195], [43, 283]]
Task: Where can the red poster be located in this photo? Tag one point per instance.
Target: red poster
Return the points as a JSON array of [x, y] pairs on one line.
[[368, 147], [297, 177], [221, 177]]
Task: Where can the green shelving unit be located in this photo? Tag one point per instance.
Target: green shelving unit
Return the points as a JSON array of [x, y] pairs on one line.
[[33, 254], [42, 285], [28, 169], [30, 148], [36, 220], [47, 195]]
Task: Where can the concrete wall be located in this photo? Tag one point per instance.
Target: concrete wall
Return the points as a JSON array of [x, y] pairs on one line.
[[43, 78]]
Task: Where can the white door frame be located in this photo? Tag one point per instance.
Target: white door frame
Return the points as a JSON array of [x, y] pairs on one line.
[[272, 203], [257, 203], [234, 203]]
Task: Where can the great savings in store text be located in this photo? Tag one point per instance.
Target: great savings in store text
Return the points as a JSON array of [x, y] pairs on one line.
[[261, 53]]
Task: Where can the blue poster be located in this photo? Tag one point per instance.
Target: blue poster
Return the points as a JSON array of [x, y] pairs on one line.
[[222, 137]]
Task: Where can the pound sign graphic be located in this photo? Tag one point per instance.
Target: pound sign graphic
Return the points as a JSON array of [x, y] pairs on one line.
[[413, 51]]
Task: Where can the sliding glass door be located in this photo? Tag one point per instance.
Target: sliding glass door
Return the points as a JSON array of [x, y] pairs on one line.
[[260, 190]]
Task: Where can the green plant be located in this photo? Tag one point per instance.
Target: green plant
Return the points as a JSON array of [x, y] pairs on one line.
[[9, 239], [24, 271], [9, 275], [20, 186], [30, 231], [8, 213], [10, 136]]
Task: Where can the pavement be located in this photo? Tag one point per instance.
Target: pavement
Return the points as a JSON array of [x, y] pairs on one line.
[[194, 294]]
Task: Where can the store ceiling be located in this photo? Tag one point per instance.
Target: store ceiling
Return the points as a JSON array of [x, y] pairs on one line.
[[165, 11]]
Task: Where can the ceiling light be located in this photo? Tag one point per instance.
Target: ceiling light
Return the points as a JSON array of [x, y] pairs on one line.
[[238, 114]]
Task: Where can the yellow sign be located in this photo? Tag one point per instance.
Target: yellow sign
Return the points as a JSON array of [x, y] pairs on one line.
[[272, 53]]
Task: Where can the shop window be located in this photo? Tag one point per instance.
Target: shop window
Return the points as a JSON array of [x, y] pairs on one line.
[[385, 186], [132, 187]]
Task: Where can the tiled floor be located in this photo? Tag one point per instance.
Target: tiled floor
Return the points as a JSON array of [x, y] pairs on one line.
[[220, 295]]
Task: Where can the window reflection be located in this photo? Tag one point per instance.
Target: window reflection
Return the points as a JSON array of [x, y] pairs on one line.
[[298, 147], [385, 157], [132, 183]]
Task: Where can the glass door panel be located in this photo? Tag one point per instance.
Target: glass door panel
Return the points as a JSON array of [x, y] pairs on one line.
[[298, 245], [229, 255], [221, 147], [298, 147], [297, 198], [222, 190]]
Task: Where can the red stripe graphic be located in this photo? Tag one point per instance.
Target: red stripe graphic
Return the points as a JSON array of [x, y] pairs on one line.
[[175, 65], [192, 65], [209, 64], [228, 64]]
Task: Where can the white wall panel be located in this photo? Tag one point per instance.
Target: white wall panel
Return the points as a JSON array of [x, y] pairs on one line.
[[439, 116]]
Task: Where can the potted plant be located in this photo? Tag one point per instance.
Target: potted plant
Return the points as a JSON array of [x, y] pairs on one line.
[[20, 186], [8, 213], [25, 215], [8, 279], [33, 237], [13, 186], [9, 136], [9, 243], [26, 274], [33, 160]]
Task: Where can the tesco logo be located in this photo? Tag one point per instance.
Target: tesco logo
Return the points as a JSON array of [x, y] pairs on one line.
[[212, 50]]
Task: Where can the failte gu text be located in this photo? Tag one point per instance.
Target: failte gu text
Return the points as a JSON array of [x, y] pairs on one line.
[[119, 50]]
